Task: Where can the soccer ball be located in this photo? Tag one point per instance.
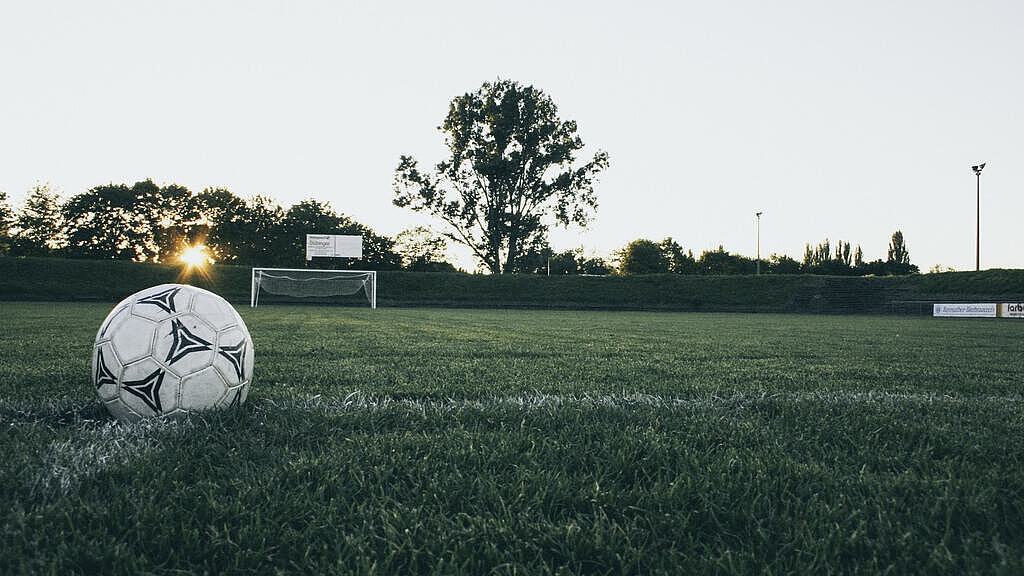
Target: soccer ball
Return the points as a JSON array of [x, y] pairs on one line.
[[171, 349]]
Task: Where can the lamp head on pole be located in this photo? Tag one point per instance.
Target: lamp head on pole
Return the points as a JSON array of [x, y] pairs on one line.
[[758, 214], [977, 169]]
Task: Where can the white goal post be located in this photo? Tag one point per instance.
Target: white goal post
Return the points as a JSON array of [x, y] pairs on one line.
[[313, 283]]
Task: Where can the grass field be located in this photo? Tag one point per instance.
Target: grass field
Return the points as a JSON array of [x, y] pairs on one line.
[[528, 442]]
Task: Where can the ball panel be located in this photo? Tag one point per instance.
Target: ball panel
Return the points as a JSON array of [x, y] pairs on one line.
[[202, 390], [185, 344], [214, 310], [106, 371], [162, 301], [132, 339], [233, 346], [109, 325], [148, 388]]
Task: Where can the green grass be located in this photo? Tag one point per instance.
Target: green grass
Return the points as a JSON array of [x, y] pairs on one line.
[[522, 442]]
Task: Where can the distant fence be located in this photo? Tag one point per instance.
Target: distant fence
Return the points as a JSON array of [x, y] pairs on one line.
[[54, 279]]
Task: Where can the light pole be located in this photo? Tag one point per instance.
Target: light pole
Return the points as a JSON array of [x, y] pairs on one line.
[[977, 237], [759, 242]]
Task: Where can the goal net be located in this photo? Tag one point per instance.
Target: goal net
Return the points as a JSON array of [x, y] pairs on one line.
[[310, 283]]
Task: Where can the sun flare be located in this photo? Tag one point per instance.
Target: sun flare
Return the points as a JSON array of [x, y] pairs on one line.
[[195, 256]]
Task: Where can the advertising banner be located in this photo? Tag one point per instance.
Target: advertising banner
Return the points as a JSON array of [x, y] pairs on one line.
[[1012, 310], [333, 246], [965, 310]]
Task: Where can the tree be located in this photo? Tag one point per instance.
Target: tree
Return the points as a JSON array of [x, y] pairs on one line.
[[512, 168], [102, 223], [421, 250], [219, 210], [595, 266], [642, 257], [897, 253], [898, 257], [782, 264], [6, 221], [563, 263], [287, 242], [39, 224], [720, 262], [679, 262], [251, 233]]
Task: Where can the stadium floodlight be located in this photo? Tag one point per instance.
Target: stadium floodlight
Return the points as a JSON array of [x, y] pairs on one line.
[[977, 231], [313, 283], [758, 242]]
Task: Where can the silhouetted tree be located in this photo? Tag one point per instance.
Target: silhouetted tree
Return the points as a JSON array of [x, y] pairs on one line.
[[512, 165], [221, 216], [595, 266], [39, 224], [103, 223], [421, 250], [678, 261], [721, 262], [782, 264], [642, 256], [562, 263], [898, 257], [288, 239], [6, 221]]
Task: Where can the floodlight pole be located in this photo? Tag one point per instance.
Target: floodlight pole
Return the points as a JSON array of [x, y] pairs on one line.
[[977, 230], [759, 242]]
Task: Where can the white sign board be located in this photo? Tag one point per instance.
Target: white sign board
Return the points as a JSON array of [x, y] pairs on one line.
[[965, 310], [1012, 310], [333, 246]]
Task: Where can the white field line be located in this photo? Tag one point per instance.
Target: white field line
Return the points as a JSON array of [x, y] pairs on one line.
[[96, 447], [89, 415], [623, 401]]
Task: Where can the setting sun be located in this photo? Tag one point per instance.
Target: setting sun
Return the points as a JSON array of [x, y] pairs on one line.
[[195, 256]]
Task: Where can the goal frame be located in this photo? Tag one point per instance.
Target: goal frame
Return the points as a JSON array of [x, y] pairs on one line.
[[254, 296]]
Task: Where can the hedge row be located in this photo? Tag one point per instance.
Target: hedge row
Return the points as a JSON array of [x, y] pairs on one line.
[[55, 279]]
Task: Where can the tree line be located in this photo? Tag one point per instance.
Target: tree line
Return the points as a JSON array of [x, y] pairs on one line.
[[668, 257], [147, 222]]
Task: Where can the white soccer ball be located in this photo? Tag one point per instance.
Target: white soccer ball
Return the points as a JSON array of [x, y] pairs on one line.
[[171, 349]]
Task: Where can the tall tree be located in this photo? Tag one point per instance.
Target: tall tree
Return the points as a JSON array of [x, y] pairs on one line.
[[898, 257], [679, 262], [6, 221], [898, 253], [40, 223], [512, 168]]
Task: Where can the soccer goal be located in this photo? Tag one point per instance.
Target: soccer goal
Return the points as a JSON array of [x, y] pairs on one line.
[[311, 283]]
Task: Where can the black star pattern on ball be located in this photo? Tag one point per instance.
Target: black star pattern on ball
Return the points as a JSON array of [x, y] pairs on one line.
[[236, 355], [184, 343], [103, 374], [164, 300], [148, 389]]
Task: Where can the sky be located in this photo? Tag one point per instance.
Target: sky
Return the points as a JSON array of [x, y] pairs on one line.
[[839, 120]]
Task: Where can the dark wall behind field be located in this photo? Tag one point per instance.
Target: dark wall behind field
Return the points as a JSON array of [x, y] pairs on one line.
[[111, 280]]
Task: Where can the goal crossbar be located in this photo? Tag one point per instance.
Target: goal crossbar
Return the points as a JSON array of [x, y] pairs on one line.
[[312, 282]]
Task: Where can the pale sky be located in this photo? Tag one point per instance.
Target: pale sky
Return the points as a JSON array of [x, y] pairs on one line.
[[845, 120]]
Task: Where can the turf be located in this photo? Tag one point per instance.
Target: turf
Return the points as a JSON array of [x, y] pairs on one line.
[[523, 442]]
